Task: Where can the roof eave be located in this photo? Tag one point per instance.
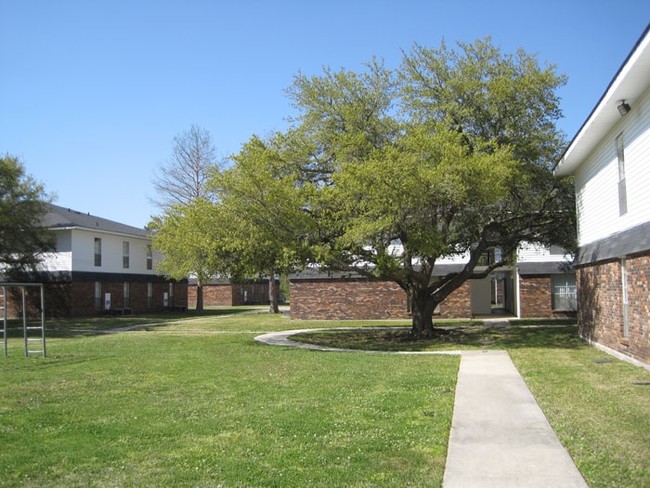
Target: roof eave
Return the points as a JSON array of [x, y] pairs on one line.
[[629, 83]]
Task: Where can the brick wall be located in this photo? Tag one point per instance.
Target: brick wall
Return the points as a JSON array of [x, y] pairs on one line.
[[213, 295], [600, 306], [77, 299], [331, 299], [458, 305], [228, 295], [535, 296]]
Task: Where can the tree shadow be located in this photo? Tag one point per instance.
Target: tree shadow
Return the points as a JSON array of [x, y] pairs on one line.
[[446, 338], [107, 324]]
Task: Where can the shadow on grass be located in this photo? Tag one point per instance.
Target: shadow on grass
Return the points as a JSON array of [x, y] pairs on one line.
[[481, 337], [84, 326]]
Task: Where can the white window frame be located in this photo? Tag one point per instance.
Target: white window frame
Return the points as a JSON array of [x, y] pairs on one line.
[[622, 188], [98, 252], [125, 254]]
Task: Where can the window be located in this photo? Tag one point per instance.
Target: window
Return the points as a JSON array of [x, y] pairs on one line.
[[98, 251], [149, 257], [564, 292], [171, 294], [125, 254], [98, 295], [149, 294], [127, 295], [626, 325], [622, 190]]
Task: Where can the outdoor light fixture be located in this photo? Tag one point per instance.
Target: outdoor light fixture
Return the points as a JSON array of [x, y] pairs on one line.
[[623, 108]]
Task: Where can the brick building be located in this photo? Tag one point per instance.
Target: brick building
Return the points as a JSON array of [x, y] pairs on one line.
[[541, 284], [99, 266], [226, 294], [610, 159]]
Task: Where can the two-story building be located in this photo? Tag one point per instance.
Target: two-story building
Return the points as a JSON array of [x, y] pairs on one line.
[[610, 158], [100, 266]]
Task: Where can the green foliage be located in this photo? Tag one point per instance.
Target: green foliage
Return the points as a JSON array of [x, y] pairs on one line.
[[426, 191], [385, 172], [449, 155], [188, 237], [23, 204], [263, 219]]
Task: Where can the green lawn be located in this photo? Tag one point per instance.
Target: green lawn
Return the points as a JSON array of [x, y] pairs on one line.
[[197, 402], [598, 406]]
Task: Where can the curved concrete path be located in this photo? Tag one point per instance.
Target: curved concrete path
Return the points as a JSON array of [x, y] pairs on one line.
[[499, 435]]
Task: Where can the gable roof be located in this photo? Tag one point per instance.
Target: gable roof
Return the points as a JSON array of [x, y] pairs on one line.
[[629, 83], [66, 218]]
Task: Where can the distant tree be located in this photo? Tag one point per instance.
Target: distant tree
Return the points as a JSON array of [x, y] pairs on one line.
[[187, 236], [23, 204], [184, 233], [182, 179]]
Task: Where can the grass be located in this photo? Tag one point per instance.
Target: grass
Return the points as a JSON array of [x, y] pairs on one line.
[[198, 403], [598, 406]]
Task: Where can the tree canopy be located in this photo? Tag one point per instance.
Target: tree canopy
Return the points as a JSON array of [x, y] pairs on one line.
[[183, 178], [23, 204], [190, 243], [449, 155], [384, 172], [184, 232], [263, 221]]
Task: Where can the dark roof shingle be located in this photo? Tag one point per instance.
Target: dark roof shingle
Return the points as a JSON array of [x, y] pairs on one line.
[[61, 217]]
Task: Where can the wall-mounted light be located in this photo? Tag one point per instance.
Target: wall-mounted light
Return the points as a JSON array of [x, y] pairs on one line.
[[623, 108]]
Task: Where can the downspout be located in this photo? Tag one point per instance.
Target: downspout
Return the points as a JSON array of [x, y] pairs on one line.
[[517, 295]]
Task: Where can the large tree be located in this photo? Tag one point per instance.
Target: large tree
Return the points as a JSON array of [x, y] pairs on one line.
[[263, 222], [23, 204], [448, 156]]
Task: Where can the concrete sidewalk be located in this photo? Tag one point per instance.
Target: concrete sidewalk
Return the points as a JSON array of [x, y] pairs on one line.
[[499, 435]]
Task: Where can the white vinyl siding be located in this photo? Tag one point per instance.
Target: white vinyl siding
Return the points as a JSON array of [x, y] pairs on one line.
[[537, 253], [597, 179], [112, 253]]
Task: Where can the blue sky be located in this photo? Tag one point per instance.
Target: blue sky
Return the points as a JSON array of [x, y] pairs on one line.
[[92, 93]]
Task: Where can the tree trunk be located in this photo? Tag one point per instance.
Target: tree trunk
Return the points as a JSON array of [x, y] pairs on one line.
[[422, 306], [199, 298], [273, 295]]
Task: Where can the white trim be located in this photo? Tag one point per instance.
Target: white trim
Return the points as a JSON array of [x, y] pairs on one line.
[[628, 84], [517, 295], [99, 230]]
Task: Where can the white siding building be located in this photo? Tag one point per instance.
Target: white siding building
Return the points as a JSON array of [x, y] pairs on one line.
[[610, 158], [101, 266]]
